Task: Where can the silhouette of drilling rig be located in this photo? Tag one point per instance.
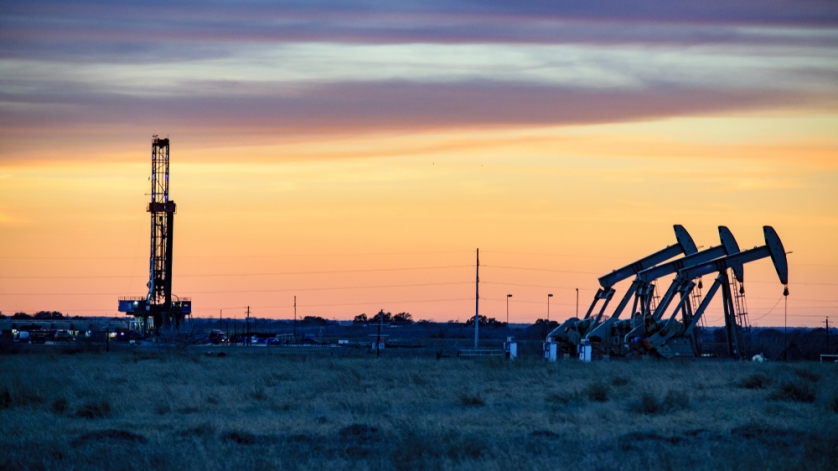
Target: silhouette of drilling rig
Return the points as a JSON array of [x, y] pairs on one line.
[[159, 308]]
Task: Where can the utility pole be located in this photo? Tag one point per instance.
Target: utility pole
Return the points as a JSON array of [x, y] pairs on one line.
[[577, 303], [295, 319], [247, 342], [477, 301], [827, 334]]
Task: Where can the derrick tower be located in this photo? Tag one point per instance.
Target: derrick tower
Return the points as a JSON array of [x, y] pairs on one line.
[[159, 304]]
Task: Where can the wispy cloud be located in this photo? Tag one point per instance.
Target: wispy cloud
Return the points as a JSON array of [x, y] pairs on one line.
[[200, 69]]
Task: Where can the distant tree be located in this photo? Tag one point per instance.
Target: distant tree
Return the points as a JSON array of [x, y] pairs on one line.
[[48, 315], [485, 322], [424, 322], [360, 319], [383, 317], [316, 320], [21, 315], [546, 323], [2, 316], [403, 318]]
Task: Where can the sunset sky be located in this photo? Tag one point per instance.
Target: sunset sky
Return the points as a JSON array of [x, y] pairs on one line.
[[355, 154]]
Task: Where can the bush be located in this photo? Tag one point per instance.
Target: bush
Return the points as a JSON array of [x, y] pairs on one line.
[[21, 397], [258, 394], [242, 438], [59, 406], [755, 381], [833, 404], [619, 381], [794, 392], [597, 392], [94, 410], [808, 375], [472, 400], [649, 403]]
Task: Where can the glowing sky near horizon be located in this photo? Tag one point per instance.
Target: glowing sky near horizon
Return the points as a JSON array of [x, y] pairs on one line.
[[355, 154]]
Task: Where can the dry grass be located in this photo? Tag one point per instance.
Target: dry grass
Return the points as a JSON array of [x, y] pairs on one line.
[[250, 411]]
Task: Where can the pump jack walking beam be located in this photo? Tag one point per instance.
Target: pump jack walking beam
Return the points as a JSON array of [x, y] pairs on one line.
[[579, 327], [643, 284], [673, 329]]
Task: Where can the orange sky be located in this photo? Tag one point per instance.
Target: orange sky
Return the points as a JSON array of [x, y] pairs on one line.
[[335, 220]]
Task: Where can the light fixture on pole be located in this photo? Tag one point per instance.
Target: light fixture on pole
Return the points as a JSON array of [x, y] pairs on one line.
[[548, 307], [507, 310]]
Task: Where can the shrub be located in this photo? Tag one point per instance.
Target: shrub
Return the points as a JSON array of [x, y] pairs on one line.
[[59, 406], [597, 392], [833, 404], [619, 381], [794, 392], [258, 394], [808, 375], [237, 436], [94, 410], [472, 400], [21, 397], [6, 398], [755, 381], [649, 403]]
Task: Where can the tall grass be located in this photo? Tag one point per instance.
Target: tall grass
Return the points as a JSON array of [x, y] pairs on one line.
[[124, 411]]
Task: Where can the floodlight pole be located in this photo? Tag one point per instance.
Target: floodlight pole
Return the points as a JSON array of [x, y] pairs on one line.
[[548, 308], [507, 311]]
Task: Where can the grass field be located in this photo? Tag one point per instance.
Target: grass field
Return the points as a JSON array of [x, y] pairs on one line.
[[260, 411]]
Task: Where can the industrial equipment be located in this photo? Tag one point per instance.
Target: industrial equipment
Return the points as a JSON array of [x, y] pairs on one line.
[[674, 338], [568, 334], [609, 335], [159, 305]]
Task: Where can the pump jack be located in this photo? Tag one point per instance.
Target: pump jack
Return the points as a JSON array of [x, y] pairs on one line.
[[569, 333], [674, 338], [611, 332]]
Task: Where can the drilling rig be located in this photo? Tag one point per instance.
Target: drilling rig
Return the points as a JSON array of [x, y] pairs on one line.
[[159, 307]]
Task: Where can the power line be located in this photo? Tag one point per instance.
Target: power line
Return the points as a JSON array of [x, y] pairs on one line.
[[352, 254], [528, 302], [541, 269], [556, 255], [535, 286], [255, 291], [249, 274]]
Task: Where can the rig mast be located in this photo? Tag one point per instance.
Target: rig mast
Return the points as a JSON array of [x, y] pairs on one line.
[[158, 304]]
